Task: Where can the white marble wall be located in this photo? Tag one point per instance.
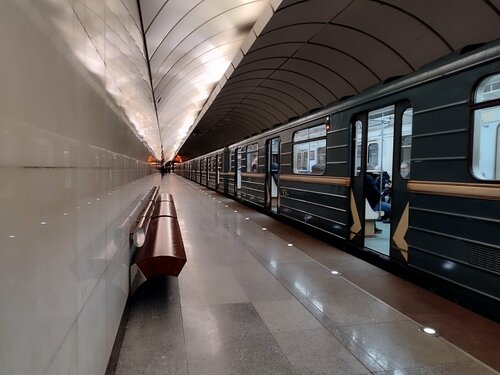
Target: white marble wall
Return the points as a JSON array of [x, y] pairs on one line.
[[72, 167]]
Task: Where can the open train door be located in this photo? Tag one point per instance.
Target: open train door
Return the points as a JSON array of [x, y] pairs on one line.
[[381, 147], [237, 173], [272, 174], [357, 198], [400, 177]]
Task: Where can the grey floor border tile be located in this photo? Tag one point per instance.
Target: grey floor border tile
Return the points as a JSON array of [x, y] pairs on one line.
[[370, 363], [154, 308]]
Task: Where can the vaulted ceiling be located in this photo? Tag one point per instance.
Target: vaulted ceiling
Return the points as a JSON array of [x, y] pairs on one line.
[[300, 56], [190, 44]]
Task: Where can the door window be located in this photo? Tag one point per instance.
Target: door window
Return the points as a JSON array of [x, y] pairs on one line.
[[486, 130]]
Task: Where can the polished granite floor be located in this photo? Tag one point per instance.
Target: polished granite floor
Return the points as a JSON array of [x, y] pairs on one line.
[[258, 297]]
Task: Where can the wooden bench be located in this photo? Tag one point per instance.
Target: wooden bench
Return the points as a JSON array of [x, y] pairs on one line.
[[161, 252], [370, 217]]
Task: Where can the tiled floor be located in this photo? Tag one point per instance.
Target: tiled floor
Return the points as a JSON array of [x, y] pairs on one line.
[[248, 303]]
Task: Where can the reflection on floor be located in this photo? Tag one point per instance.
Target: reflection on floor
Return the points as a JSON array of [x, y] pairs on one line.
[[380, 241], [255, 301]]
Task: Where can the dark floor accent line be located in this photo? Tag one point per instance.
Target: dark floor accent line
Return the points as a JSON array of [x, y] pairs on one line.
[[117, 346]]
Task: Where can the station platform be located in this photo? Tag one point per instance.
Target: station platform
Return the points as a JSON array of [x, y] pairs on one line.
[[258, 297]]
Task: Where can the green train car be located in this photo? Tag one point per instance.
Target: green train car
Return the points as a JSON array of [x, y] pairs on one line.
[[429, 142]]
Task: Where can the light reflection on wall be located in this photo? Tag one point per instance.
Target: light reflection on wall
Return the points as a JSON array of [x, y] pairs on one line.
[[106, 41]]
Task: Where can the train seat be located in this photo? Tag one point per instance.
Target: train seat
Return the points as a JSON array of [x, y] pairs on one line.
[[370, 217]]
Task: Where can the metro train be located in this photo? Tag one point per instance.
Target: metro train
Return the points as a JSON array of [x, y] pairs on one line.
[[436, 132]]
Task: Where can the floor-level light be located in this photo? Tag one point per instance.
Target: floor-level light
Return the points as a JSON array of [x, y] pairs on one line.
[[428, 331]]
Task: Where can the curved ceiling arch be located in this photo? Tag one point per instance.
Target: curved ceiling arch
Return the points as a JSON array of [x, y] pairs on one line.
[[460, 22], [418, 19], [284, 33], [255, 116], [279, 49], [195, 29], [247, 107], [380, 42], [192, 58], [305, 71], [183, 90], [323, 75], [281, 106], [207, 41], [400, 16], [300, 55], [270, 49], [204, 12], [188, 77], [270, 79], [189, 46], [329, 53], [283, 95], [265, 105], [307, 99], [239, 127], [258, 104], [306, 82]]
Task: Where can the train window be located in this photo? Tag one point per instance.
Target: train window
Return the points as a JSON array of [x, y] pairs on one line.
[[406, 133], [309, 150], [253, 158], [357, 156], [380, 140], [489, 89], [373, 154], [486, 140], [309, 133]]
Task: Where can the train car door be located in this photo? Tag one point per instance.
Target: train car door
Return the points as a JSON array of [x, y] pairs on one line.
[[379, 192], [207, 170], [401, 174], [226, 167], [204, 171], [272, 174], [198, 171], [237, 173], [218, 163], [201, 165], [379, 162], [357, 199]]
